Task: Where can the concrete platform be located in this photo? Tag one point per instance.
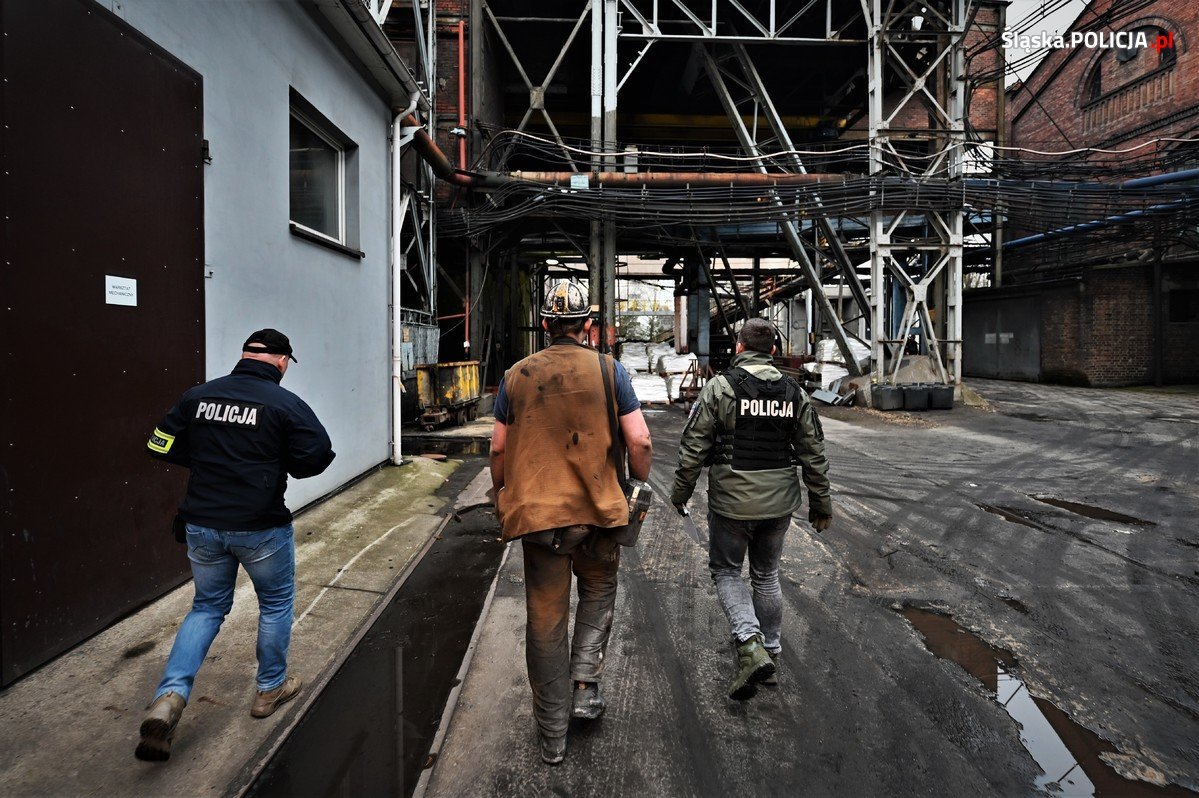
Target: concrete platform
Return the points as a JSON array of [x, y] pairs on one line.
[[71, 727], [1099, 617]]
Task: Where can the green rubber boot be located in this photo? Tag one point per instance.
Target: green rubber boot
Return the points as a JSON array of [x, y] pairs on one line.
[[773, 679], [753, 666]]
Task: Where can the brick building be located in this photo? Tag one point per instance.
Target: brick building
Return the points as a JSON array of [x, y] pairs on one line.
[[1105, 300]]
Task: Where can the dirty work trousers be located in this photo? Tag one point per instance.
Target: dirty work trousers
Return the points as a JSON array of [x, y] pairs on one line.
[[553, 664], [759, 612]]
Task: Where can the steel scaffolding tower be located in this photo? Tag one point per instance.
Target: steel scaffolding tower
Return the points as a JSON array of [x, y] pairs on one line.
[[916, 134], [914, 70]]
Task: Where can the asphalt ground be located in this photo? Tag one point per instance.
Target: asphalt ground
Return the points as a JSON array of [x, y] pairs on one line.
[[948, 512]]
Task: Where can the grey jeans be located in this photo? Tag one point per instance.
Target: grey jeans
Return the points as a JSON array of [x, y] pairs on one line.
[[554, 666], [759, 612]]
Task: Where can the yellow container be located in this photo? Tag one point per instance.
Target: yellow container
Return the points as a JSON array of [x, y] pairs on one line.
[[447, 385]]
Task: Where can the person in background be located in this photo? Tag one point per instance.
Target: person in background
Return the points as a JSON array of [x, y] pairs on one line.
[[752, 426]]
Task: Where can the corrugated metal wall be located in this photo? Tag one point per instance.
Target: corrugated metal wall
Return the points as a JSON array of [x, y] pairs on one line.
[[1002, 337]]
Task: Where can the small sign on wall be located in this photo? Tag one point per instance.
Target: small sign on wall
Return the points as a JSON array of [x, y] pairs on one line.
[[120, 290]]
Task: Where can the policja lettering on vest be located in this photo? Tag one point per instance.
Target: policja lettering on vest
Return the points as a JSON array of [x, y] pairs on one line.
[[772, 407]]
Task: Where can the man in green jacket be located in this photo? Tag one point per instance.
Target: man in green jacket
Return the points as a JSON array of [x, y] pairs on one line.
[[752, 426]]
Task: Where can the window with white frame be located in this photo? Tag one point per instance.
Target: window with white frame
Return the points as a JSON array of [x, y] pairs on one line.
[[317, 178]]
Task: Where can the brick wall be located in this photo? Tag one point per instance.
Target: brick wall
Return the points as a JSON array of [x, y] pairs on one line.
[[1141, 99], [1117, 311], [1181, 353], [1099, 333], [1061, 336]]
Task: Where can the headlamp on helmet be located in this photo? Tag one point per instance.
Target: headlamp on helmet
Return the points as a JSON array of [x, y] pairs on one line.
[[565, 300]]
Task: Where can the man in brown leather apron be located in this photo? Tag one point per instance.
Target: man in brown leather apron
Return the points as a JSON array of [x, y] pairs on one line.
[[555, 472]]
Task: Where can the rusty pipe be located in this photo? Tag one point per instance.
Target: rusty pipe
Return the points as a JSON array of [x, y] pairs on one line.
[[427, 148], [432, 154]]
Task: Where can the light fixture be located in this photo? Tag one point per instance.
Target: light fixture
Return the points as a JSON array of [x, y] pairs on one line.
[[551, 261]]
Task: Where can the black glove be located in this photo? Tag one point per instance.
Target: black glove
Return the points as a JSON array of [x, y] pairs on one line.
[[819, 521], [681, 507]]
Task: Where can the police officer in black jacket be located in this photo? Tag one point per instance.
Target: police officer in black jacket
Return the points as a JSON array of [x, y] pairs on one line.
[[241, 435]]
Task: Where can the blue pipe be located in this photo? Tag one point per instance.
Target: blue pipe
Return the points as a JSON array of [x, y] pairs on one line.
[[1135, 183], [1101, 223]]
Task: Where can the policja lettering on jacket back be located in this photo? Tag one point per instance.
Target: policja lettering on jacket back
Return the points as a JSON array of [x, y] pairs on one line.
[[241, 436], [229, 414]]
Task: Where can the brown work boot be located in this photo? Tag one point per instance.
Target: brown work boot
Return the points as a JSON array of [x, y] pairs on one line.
[[158, 728], [266, 702]]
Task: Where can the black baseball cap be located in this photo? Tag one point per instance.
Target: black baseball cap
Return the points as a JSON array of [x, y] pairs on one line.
[[269, 341]]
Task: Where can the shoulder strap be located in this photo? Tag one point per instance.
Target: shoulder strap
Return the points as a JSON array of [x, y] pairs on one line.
[[741, 379], [613, 427]]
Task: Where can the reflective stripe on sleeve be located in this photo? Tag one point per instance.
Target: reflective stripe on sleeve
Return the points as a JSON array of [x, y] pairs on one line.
[[160, 442]]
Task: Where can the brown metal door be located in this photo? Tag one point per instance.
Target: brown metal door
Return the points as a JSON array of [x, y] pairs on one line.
[[101, 318]]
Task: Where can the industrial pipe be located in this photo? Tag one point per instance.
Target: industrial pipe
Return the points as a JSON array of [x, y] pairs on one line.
[[669, 179], [1136, 183], [427, 148], [1098, 224], [433, 155], [462, 93]]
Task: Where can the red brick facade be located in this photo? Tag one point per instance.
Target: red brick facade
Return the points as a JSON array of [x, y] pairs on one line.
[[1101, 331], [1085, 97]]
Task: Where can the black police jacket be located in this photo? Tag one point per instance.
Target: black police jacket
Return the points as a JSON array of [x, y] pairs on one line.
[[241, 435]]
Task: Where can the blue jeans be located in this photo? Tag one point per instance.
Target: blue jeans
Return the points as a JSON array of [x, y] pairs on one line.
[[269, 557], [759, 612]]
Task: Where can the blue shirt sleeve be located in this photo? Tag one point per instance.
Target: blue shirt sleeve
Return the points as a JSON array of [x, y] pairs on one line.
[[500, 409], [626, 399]]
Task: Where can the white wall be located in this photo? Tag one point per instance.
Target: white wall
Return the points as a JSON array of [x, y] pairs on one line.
[[333, 307]]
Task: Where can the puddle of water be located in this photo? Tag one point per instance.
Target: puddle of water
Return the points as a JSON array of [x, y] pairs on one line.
[[416, 445], [1010, 514], [1067, 753], [369, 731], [1031, 417], [1091, 511]]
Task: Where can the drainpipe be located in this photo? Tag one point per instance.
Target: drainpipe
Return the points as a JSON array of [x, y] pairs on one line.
[[399, 204], [1159, 344], [462, 93]]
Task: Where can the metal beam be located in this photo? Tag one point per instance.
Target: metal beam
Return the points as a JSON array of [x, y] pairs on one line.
[[758, 87], [789, 228], [936, 89]]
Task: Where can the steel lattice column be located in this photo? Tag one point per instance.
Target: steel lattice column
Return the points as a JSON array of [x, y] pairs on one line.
[[915, 48]]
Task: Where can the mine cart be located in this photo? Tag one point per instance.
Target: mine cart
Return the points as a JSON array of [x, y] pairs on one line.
[[447, 393]]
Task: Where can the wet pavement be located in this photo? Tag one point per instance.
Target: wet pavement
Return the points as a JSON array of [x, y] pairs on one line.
[[1081, 614], [1070, 756]]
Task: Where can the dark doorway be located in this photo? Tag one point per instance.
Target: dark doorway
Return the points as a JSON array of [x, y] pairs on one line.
[[102, 318]]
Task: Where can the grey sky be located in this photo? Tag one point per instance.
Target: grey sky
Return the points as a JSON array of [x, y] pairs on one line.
[[1054, 22]]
